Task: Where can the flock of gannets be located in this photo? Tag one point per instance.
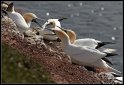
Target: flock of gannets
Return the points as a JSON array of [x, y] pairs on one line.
[[83, 55], [81, 51]]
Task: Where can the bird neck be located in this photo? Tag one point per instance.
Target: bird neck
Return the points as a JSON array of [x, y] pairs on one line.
[[29, 24], [72, 36], [65, 41]]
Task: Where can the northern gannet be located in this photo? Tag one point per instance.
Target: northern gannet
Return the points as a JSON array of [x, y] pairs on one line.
[[93, 43], [52, 23], [88, 42], [19, 20], [31, 17], [84, 55]]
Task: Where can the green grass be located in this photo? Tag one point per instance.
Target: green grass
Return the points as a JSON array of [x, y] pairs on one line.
[[16, 68]]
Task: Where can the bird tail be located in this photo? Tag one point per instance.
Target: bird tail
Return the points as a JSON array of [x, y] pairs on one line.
[[119, 80], [107, 60], [108, 43], [113, 70], [108, 50], [115, 74], [100, 44], [110, 54]]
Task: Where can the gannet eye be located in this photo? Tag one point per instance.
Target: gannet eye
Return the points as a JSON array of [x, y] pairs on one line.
[[50, 23]]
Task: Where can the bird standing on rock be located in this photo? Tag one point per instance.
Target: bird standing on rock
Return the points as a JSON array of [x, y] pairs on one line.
[[52, 23], [84, 55], [19, 20], [88, 42]]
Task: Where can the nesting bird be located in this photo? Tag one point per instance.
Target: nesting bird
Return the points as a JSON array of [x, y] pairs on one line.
[[82, 51], [90, 42], [84, 55], [52, 23], [22, 24]]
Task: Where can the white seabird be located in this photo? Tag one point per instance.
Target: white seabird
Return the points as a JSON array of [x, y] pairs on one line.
[[52, 23], [19, 19], [90, 42], [83, 55]]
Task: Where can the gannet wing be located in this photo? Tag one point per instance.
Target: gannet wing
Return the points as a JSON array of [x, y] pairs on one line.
[[86, 42], [19, 20], [85, 54]]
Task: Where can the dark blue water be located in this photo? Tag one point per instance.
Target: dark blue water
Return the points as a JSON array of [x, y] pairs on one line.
[[102, 20]]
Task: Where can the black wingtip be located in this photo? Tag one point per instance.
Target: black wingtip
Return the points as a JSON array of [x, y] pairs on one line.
[[107, 60], [115, 75], [102, 44], [62, 19], [110, 54], [108, 43]]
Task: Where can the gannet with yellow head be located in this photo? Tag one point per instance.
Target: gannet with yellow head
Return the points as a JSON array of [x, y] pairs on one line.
[[84, 55], [23, 22]]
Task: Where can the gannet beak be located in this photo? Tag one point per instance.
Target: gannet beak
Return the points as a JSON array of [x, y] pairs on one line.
[[65, 30], [50, 34], [46, 24], [41, 19], [62, 29], [62, 19], [50, 30], [35, 20]]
